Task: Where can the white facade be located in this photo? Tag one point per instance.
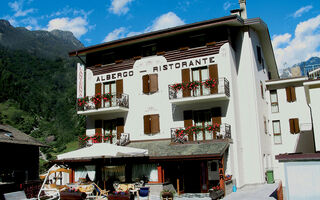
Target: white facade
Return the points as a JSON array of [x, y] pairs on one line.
[[287, 142], [246, 109]]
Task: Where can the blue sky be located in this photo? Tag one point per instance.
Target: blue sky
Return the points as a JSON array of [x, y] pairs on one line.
[[294, 25]]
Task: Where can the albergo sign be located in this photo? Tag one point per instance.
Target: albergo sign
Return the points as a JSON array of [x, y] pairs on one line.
[[181, 64]]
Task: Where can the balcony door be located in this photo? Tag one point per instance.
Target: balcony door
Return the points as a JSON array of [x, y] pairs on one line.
[[109, 87], [200, 74], [202, 118], [110, 131]]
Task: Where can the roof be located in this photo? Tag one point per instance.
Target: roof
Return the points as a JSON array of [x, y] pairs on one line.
[[163, 149], [8, 134], [291, 157], [234, 20]]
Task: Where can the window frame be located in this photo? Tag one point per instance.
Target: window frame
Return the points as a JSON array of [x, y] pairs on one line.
[[274, 92], [276, 134]]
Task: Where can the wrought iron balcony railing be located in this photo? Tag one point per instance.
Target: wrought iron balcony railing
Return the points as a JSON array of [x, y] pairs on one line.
[[200, 134], [182, 90], [101, 101], [86, 141]]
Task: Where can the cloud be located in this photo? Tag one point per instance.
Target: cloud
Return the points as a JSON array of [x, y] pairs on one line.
[[226, 5], [17, 7], [302, 10], [305, 43], [115, 34], [280, 39], [119, 7], [167, 20], [78, 25], [31, 23]]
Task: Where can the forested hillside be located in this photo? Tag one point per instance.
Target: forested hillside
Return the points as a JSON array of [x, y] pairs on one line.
[[38, 96]]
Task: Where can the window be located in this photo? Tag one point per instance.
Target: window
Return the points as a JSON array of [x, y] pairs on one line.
[[202, 118], [109, 87], [151, 124], [149, 50], [265, 125], [262, 89], [259, 54], [274, 101], [291, 94], [150, 83], [110, 131], [200, 74], [294, 125], [276, 132]]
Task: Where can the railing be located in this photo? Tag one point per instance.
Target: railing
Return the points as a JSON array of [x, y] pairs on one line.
[[114, 100], [202, 134], [86, 141], [221, 87], [124, 139]]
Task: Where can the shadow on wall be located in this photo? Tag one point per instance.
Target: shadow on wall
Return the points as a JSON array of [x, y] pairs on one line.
[[305, 143]]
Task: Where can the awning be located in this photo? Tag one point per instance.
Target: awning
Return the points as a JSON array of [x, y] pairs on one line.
[[102, 150], [166, 150]]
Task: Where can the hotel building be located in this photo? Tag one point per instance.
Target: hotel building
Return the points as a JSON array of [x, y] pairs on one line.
[[195, 96]]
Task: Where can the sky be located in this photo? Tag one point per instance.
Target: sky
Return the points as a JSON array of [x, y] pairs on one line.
[[294, 25]]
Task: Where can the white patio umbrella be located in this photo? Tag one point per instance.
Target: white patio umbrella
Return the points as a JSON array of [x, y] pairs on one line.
[[102, 150]]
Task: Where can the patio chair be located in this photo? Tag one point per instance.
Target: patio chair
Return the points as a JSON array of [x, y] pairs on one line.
[[100, 192]]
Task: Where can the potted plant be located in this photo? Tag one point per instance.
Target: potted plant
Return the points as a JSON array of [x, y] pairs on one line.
[[96, 99], [107, 97], [167, 194], [210, 83], [177, 86], [82, 102], [193, 85]]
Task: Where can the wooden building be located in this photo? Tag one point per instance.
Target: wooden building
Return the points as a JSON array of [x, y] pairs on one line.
[[19, 165]]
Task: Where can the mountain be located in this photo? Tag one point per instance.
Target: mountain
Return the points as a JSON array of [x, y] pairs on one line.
[[46, 44], [38, 86], [305, 66]]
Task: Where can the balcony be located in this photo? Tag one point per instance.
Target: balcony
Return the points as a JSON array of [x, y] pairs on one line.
[[209, 90], [102, 104], [86, 141], [200, 134]]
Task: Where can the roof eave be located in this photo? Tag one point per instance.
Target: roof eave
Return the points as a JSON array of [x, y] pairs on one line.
[[261, 27], [231, 20]]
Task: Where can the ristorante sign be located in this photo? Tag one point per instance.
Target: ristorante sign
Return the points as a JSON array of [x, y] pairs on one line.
[[176, 65]]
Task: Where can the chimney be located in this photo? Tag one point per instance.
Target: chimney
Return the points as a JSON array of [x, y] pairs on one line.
[[242, 12], [243, 9]]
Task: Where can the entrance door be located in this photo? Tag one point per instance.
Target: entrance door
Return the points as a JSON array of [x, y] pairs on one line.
[[192, 173]]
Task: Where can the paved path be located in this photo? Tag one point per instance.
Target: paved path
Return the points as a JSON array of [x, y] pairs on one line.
[[251, 192]]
